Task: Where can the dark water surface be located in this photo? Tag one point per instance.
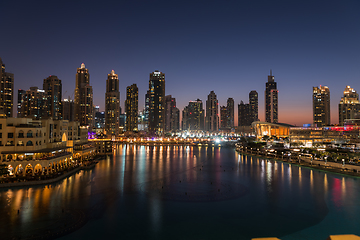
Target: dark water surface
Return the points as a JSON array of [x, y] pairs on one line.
[[176, 192]]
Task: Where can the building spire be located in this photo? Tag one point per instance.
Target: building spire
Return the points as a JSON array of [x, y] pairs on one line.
[[270, 72]]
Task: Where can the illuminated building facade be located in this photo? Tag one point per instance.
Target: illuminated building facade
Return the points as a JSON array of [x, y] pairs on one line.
[[349, 106], [131, 108], [68, 109], [230, 113], [112, 104], [41, 147], [279, 130], [21, 94], [193, 116], [83, 102], [6, 91], [223, 117], [171, 114], [53, 87], [271, 100], [212, 115], [156, 121], [35, 104], [243, 114], [321, 106], [253, 106]]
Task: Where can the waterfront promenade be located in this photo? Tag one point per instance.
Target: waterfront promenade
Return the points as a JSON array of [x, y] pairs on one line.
[[334, 167]]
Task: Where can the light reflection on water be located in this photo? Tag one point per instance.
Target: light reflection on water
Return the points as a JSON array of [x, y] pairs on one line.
[[208, 192]]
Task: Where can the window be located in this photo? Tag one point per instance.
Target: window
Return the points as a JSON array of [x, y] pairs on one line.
[[21, 134], [29, 143], [0, 126], [0, 135], [10, 135], [29, 134]]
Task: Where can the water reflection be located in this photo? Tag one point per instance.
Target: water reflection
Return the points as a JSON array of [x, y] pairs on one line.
[[159, 188]]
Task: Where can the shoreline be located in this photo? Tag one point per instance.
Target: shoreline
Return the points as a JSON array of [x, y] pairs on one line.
[[315, 166], [48, 181]]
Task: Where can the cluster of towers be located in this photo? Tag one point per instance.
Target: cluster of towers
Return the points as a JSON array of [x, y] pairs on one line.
[[160, 114], [349, 106]]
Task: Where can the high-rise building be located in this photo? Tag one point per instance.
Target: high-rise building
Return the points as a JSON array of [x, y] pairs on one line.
[[156, 102], [53, 87], [224, 118], [35, 104], [68, 109], [230, 113], [100, 120], [131, 108], [212, 116], [193, 116], [112, 104], [21, 94], [171, 114], [349, 106], [253, 106], [6, 91], [146, 110], [321, 106], [271, 100], [83, 98], [244, 114]]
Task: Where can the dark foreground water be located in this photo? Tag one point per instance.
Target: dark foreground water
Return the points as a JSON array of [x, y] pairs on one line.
[[176, 192]]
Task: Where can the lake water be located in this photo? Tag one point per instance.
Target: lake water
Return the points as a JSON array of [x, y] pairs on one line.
[[181, 192]]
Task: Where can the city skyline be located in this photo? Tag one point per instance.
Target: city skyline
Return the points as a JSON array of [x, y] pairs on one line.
[[306, 44]]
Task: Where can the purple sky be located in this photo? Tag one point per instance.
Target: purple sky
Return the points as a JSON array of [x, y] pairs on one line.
[[225, 46]]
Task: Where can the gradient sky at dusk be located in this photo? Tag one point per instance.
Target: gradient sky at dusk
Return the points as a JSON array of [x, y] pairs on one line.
[[225, 46]]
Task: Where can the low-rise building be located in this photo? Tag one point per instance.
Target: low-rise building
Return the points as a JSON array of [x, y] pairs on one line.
[[30, 146]]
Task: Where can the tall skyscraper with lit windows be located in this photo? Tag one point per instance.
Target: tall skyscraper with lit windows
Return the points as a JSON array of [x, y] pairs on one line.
[[112, 104], [53, 87], [83, 101], [131, 108], [271, 100], [349, 106], [321, 106], [6, 91], [230, 113], [253, 106], [171, 114], [212, 113], [193, 117], [156, 93]]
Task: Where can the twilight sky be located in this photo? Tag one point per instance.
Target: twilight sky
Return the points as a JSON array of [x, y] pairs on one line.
[[225, 46]]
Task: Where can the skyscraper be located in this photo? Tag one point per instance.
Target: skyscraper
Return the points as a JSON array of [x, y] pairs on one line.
[[53, 87], [156, 103], [6, 91], [131, 108], [230, 113], [212, 116], [244, 114], [271, 100], [35, 104], [21, 94], [112, 104], [223, 117], [68, 109], [349, 106], [193, 116], [83, 98], [253, 106], [171, 114], [321, 106]]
